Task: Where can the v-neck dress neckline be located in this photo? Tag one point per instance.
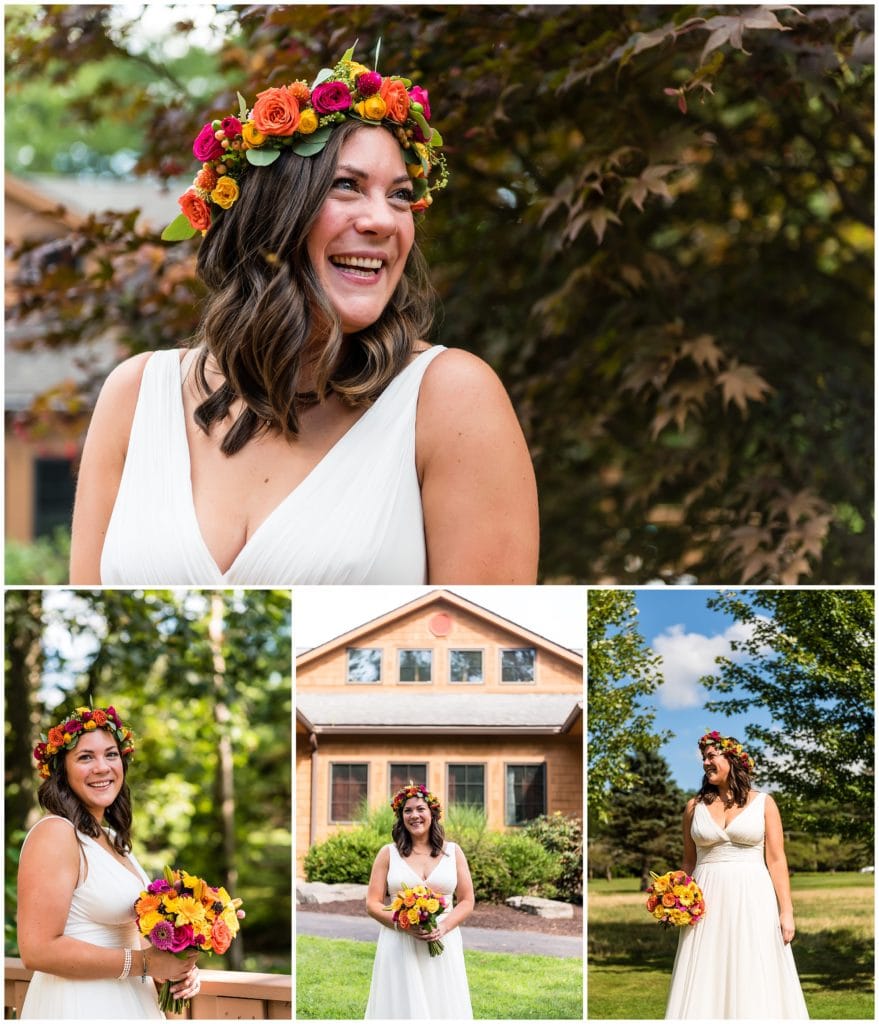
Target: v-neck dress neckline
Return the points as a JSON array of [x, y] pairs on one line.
[[356, 517]]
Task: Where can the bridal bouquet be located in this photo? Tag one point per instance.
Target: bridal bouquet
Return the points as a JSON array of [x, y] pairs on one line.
[[179, 912], [418, 907], [675, 899]]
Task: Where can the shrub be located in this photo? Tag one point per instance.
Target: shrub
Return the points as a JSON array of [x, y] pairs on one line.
[[564, 837], [45, 560], [344, 857]]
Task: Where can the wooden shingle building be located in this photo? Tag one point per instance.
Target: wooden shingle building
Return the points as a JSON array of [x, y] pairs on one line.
[[446, 693]]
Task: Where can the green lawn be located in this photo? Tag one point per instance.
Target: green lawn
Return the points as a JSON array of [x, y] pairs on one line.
[[630, 957], [332, 982]]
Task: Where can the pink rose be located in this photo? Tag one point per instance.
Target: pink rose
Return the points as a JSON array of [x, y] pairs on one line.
[[419, 95], [231, 127], [368, 83], [207, 146], [331, 97], [183, 939]]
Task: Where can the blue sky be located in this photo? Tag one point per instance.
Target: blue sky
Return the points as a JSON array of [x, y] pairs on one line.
[[679, 625]]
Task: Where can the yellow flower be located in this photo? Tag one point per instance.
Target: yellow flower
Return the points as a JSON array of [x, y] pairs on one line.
[[307, 122], [686, 898], [373, 108], [252, 136], [90, 726], [659, 913], [226, 192], [413, 915], [432, 906], [189, 911], [81, 711], [396, 903], [169, 901], [149, 920]]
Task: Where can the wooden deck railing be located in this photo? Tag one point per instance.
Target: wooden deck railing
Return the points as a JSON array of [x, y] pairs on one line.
[[224, 995]]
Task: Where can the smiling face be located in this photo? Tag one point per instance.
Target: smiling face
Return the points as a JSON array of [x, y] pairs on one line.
[[416, 817], [94, 771], [715, 765], [364, 232]]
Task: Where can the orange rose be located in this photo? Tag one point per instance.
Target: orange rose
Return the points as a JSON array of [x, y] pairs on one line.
[[196, 211], [56, 737], [393, 92], [276, 112], [221, 937], [668, 900], [99, 717]]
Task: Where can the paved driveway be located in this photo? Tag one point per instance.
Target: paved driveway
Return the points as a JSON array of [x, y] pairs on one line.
[[489, 940]]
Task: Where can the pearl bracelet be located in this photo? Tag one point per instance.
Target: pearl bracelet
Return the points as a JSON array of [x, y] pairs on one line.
[[126, 968]]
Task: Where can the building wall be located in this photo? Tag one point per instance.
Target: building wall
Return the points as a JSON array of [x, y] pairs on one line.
[[562, 755], [424, 628]]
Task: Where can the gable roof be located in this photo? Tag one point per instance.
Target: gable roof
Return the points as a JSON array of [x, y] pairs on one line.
[[438, 714], [446, 598]]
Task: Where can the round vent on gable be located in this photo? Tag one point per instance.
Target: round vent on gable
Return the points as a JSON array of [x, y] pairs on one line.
[[440, 624]]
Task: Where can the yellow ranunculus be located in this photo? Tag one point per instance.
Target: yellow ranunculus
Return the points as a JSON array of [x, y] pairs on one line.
[[373, 108], [226, 192], [252, 136], [413, 915], [307, 122], [90, 726], [81, 711], [432, 906], [659, 913], [149, 920]]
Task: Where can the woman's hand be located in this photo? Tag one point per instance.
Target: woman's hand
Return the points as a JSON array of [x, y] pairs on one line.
[[787, 927], [189, 985], [164, 966], [433, 936]]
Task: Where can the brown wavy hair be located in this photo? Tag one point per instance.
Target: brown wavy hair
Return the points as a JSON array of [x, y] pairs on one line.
[[436, 835], [56, 796], [739, 780], [267, 311]]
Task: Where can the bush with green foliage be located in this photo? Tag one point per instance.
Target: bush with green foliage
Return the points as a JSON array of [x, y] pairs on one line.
[[502, 864], [562, 836], [44, 560]]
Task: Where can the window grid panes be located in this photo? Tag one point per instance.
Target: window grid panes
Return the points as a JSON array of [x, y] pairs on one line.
[[526, 792], [517, 665], [465, 667], [416, 665], [466, 785], [402, 774], [364, 665], [348, 789]]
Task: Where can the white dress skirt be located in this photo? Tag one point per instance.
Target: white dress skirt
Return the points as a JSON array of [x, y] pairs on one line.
[[407, 982], [734, 964], [101, 913]]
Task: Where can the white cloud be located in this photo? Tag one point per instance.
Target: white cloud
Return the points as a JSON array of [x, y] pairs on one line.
[[686, 657]]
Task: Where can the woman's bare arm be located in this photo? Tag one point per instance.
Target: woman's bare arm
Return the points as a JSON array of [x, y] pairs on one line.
[[378, 889], [776, 862], [477, 481], [689, 863], [100, 468], [48, 874]]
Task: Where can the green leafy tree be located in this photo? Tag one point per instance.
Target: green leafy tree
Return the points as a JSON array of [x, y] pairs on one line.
[[644, 821], [621, 670], [809, 660], [675, 204]]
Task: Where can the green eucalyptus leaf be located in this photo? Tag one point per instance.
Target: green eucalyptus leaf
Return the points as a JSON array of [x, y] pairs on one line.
[[419, 187], [322, 76], [242, 107], [262, 157], [178, 230], [436, 140], [310, 145]]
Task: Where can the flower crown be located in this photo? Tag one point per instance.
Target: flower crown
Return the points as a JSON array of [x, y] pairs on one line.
[[727, 745], [407, 792], [300, 118], [65, 735]]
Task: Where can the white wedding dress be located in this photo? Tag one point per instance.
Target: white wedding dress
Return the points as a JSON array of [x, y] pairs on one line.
[[407, 982], [355, 518], [734, 964], [101, 913]]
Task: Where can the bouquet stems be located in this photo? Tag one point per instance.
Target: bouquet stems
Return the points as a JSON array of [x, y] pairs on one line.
[[167, 1002]]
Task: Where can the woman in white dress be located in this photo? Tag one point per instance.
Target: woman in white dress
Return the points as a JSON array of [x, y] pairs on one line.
[[407, 982], [736, 963], [78, 882], [312, 435]]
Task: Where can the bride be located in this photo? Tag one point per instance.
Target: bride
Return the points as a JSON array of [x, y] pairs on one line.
[[78, 882], [736, 963], [407, 982]]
